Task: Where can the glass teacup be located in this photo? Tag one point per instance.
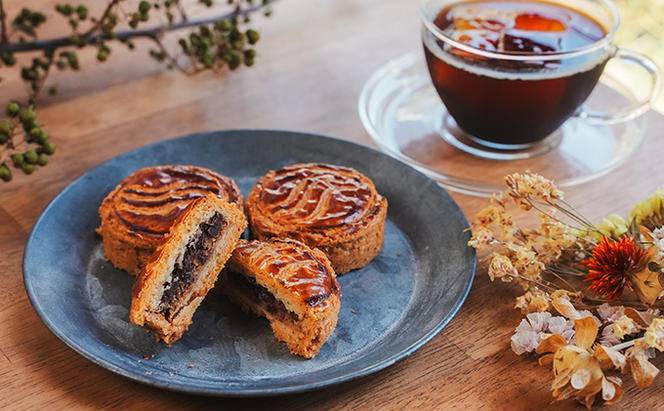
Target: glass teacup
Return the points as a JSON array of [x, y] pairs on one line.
[[508, 75]]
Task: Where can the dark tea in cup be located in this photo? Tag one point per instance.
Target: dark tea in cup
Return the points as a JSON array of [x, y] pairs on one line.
[[511, 72]]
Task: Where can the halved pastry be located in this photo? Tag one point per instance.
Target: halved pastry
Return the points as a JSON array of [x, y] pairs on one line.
[[291, 285], [138, 214], [332, 208], [185, 267]]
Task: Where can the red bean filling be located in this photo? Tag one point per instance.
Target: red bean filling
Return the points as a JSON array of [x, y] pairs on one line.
[[197, 253]]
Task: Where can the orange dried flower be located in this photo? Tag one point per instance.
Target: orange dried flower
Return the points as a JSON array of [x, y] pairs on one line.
[[611, 264]]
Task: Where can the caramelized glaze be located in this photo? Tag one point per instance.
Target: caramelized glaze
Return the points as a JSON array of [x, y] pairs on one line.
[[150, 200], [317, 196], [294, 266]]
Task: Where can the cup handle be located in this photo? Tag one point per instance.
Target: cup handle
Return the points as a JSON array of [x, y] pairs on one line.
[[639, 107]]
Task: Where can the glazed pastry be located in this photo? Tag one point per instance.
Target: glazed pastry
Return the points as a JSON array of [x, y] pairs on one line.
[[185, 267], [291, 285], [335, 209], [137, 215]]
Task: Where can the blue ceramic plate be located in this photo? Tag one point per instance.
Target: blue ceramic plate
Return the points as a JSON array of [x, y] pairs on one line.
[[389, 308]]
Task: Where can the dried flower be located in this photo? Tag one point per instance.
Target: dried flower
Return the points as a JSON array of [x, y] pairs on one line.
[[610, 313], [550, 261], [657, 236], [650, 212], [532, 301], [642, 370], [578, 370], [608, 338], [565, 307], [501, 267], [611, 264], [624, 326], [654, 336], [612, 226], [481, 236], [523, 187], [536, 326]]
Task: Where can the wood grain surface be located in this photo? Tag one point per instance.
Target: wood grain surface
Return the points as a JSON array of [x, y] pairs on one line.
[[314, 58]]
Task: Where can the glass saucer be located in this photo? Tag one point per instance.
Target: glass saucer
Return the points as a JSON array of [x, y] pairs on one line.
[[403, 114]]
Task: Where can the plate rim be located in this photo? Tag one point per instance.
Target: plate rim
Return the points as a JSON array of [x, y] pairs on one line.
[[243, 392]]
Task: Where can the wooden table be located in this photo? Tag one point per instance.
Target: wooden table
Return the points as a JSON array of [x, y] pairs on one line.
[[313, 60]]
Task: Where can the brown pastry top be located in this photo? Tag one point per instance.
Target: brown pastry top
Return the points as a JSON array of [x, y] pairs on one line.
[[316, 197], [148, 202], [305, 272]]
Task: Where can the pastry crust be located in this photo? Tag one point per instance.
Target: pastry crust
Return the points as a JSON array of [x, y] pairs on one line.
[[336, 209], [291, 285], [137, 215], [185, 267]]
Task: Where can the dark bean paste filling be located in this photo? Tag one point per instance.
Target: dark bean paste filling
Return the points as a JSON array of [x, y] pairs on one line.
[[262, 297], [195, 256]]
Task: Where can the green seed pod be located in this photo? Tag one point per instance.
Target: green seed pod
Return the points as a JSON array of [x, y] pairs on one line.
[[102, 55], [235, 60], [12, 109], [205, 30], [3, 138], [238, 45], [28, 168], [236, 35], [8, 59], [17, 159], [252, 36], [207, 60], [29, 125], [43, 137], [248, 61], [82, 11], [35, 132], [5, 127], [72, 59], [67, 9], [144, 6], [5, 173], [49, 148], [30, 157], [223, 25], [27, 115], [29, 74], [42, 160], [249, 54]]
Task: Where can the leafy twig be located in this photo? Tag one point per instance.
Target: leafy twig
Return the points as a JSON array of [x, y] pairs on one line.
[[122, 35]]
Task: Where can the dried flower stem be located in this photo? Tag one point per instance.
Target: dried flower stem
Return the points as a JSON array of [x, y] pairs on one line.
[[563, 280], [626, 344]]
